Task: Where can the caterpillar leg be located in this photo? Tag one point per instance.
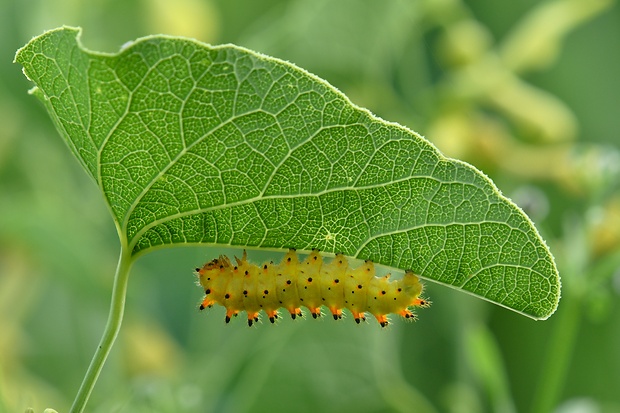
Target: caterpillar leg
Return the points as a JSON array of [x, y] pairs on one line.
[[229, 315], [421, 302], [295, 312], [207, 302], [336, 312], [316, 312], [272, 314], [407, 314], [358, 317], [252, 318], [382, 319]]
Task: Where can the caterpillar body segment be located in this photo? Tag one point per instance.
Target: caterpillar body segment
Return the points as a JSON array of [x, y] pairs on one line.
[[311, 283]]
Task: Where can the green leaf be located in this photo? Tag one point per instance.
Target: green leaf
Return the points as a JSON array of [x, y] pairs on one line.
[[199, 144]]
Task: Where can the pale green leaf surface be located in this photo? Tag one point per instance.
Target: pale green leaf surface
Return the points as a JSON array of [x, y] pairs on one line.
[[193, 143]]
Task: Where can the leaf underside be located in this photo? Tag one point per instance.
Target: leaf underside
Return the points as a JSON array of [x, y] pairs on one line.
[[199, 144]]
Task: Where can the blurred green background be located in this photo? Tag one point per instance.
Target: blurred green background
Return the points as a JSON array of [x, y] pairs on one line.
[[527, 91]]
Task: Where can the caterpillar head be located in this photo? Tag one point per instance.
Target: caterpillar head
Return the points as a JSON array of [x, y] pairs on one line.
[[412, 285]]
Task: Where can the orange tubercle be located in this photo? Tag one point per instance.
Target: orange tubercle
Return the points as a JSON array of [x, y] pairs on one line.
[[358, 317], [336, 312], [407, 314], [207, 302], [382, 319], [316, 312], [421, 302], [272, 315], [252, 318]]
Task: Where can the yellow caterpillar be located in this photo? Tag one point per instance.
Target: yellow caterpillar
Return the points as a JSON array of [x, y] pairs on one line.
[[312, 283]]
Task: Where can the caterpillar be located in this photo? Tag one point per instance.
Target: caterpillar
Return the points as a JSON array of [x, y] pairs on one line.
[[242, 286]]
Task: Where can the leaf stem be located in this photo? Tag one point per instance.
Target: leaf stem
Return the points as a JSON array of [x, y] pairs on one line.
[[115, 318]]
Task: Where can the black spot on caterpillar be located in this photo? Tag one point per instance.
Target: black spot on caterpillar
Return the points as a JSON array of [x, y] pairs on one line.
[[311, 283]]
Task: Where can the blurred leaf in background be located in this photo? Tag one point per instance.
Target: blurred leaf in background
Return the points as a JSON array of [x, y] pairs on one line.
[[526, 91]]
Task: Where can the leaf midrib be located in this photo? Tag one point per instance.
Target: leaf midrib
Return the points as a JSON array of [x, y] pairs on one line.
[[249, 201]]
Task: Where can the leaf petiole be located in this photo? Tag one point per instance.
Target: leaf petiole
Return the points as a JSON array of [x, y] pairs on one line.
[[115, 319]]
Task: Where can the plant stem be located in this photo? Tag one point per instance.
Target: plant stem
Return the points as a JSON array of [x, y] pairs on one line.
[[115, 318]]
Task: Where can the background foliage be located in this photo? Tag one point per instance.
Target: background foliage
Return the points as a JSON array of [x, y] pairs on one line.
[[526, 91]]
